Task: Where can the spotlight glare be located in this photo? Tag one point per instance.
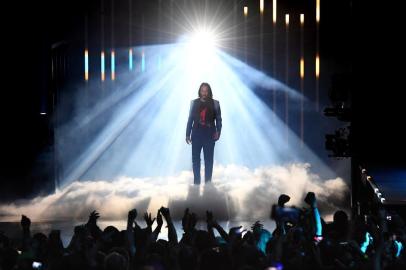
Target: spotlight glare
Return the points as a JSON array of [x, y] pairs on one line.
[[203, 40], [201, 47]]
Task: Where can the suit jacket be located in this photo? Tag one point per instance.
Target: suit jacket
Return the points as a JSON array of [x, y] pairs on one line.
[[194, 116]]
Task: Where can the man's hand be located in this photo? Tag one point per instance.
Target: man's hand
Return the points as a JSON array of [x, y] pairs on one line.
[[216, 136], [165, 213], [210, 219], [132, 215], [257, 227], [188, 140], [159, 220], [148, 220], [93, 218]]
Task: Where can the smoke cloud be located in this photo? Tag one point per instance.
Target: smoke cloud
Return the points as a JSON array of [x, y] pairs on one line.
[[237, 193]]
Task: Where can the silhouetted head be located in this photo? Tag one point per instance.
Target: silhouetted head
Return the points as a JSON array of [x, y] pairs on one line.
[[205, 91], [283, 199], [115, 261], [340, 218], [310, 198]]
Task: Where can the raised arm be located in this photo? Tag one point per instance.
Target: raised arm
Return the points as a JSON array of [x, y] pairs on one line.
[[311, 200], [172, 236], [26, 237], [157, 230], [130, 232], [212, 224]]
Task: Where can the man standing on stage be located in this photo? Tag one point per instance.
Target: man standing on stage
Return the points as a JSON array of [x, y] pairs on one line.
[[202, 132]]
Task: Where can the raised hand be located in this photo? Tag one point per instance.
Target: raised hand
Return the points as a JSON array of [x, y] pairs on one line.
[[93, 217], [257, 227], [148, 220], [189, 220], [25, 222], [210, 219], [165, 212], [159, 220], [185, 219], [132, 214]]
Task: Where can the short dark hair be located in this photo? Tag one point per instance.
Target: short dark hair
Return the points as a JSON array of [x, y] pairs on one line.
[[208, 87]]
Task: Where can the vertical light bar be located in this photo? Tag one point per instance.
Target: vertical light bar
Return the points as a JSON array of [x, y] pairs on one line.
[[302, 74], [113, 54], [274, 53], [102, 66], [261, 37], [113, 65], [274, 11], [317, 53], [130, 50], [302, 68], [287, 78], [102, 58], [143, 62], [245, 34], [301, 47], [317, 80], [86, 65], [130, 59]]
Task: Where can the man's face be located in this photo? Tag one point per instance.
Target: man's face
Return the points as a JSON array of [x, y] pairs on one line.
[[204, 92]]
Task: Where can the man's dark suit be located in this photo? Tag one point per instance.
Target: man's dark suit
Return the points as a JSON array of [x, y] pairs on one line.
[[202, 132]]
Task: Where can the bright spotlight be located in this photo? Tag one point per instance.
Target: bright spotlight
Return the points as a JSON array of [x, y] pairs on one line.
[[203, 40], [201, 48]]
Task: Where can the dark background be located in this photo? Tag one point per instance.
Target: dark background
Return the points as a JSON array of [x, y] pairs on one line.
[[361, 39]]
